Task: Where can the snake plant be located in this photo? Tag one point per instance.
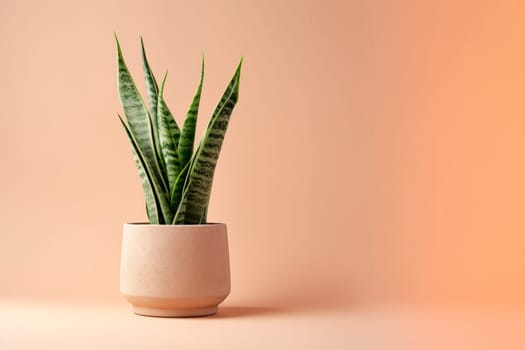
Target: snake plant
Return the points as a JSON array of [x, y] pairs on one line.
[[176, 179]]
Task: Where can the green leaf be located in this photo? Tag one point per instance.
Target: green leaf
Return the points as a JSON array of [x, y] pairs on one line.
[[151, 83], [200, 177], [187, 137], [139, 119], [152, 201], [152, 90], [169, 135], [176, 195], [204, 216], [148, 213]]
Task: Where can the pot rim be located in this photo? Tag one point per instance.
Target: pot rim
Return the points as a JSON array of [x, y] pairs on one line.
[[147, 224]]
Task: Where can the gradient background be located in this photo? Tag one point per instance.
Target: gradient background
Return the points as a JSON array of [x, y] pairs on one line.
[[377, 153]]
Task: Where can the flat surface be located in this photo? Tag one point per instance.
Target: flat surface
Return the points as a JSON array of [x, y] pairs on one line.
[[51, 325]]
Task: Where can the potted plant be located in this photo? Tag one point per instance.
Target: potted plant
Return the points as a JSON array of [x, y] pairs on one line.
[[176, 265]]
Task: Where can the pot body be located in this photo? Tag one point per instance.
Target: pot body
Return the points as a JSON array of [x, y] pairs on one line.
[[175, 270]]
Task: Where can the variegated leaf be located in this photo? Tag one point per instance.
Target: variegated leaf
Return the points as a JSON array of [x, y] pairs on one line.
[[152, 203], [139, 119], [197, 189], [187, 137], [169, 135], [152, 90], [176, 195]]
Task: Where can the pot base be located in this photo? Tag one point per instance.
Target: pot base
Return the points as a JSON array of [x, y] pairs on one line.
[[189, 312], [175, 307]]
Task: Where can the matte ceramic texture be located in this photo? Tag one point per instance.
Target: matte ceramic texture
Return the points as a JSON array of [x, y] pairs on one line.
[[175, 270]]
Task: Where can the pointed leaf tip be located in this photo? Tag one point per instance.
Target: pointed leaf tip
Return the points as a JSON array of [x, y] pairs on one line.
[[119, 50], [238, 70], [202, 67], [142, 46], [161, 91]]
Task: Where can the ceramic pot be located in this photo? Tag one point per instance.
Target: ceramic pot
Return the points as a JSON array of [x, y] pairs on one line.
[[175, 270]]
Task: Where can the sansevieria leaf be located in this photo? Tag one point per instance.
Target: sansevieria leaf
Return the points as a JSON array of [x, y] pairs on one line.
[[161, 197], [169, 135], [180, 185], [197, 189], [176, 195], [204, 215], [152, 90], [187, 137], [139, 119], [152, 202], [176, 178], [152, 87]]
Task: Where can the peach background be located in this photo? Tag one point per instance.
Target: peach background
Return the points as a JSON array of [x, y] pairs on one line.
[[377, 152]]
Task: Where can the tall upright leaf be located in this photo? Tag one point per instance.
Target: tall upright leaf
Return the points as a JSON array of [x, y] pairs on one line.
[[176, 195], [198, 185], [152, 90], [152, 87], [181, 183], [152, 203], [187, 137], [169, 135], [138, 117]]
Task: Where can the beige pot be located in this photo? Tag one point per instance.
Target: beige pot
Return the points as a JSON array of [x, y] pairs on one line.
[[175, 270]]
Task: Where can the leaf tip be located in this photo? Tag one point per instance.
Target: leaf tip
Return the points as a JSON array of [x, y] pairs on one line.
[[119, 50], [142, 47], [163, 82], [238, 71]]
